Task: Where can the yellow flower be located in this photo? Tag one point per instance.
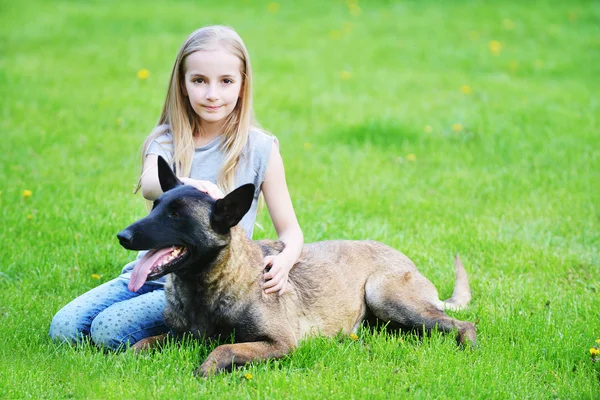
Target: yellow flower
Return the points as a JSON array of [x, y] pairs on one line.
[[495, 47], [30, 216], [594, 352], [248, 375], [428, 129], [572, 16], [355, 9], [597, 340], [143, 74], [457, 127], [27, 193], [335, 35], [354, 336], [348, 27], [307, 146], [273, 7], [411, 157], [509, 25], [96, 276], [345, 75], [466, 89]]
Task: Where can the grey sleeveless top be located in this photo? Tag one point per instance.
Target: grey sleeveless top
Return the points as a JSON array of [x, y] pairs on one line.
[[205, 166]]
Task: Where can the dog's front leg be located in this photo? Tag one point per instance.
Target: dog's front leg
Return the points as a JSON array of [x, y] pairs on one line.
[[149, 343], [238, 354]]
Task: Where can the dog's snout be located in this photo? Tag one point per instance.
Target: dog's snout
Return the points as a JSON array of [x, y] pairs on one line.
[[125, 237]]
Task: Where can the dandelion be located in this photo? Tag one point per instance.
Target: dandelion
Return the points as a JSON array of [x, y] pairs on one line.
[[27, 193], [273, 7], [307, 146], [411, 157], [248, 375], [30, 216], [466, 89], [428, 129], [143, 74], [598, 341], [509, 25], [335, 35], [457, 127], [354, 336], [495, 47], [345, 75], [347, 28], [96, 276], [353, 7], [594, 352]]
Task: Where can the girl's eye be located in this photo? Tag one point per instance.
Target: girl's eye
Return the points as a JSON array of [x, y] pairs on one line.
[[227, 81], [175, 215], [198, 80]]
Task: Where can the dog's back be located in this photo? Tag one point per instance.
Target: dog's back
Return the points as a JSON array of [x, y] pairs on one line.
[[327, 284]]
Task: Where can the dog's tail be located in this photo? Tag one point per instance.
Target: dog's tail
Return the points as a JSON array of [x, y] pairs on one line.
[[461, 296]]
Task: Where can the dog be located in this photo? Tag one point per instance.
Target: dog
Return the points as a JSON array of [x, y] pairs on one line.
[[213, 287]]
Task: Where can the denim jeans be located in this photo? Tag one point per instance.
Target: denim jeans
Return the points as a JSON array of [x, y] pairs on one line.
[[111, 315]]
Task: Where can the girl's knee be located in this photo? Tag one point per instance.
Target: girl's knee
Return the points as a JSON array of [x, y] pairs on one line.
[[68, 326], [107, 331]]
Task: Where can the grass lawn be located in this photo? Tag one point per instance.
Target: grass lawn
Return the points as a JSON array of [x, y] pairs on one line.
[[437, 128]]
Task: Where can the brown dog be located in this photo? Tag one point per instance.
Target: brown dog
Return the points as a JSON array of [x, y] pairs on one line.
[[215, 274]]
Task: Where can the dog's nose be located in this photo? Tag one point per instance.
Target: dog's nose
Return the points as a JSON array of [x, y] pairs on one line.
[[125, 237]]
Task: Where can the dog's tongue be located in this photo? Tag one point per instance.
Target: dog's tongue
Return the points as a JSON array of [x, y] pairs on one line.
[[144, 265]]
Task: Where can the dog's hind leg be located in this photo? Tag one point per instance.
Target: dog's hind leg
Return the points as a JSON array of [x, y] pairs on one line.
[[224, 357], [410, 300]]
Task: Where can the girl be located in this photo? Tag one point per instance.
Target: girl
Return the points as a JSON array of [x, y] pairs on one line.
[[208, 134]]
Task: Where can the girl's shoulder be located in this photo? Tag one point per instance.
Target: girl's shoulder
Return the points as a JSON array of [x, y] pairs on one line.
[[259, 140], [258, 150]]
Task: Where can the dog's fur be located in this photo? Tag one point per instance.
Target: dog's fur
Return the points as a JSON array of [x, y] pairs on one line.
[[214, 290]]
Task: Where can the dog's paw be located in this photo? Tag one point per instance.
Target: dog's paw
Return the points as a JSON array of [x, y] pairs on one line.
[[143, 346]]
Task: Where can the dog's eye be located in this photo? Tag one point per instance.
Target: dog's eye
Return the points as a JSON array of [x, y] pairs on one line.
[[175, 215]]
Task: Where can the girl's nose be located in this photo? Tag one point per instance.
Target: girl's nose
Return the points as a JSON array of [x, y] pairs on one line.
[[212, 93]]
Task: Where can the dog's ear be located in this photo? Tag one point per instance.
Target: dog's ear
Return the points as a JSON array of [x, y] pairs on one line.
[[231, 209], [166, 176]]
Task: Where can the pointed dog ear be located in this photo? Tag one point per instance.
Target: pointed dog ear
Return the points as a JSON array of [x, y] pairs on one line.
[[231, 209], [166, 176]]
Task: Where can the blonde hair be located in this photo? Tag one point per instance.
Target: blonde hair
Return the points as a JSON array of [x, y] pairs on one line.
[[182, 122]]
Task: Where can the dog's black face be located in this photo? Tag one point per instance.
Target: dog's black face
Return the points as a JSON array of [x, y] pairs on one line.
[[185, 229]]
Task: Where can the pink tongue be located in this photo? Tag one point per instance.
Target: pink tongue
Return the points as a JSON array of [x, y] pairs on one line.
[[144, 265]]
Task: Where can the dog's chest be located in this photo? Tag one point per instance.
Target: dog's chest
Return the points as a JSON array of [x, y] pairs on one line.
[[208, 316]]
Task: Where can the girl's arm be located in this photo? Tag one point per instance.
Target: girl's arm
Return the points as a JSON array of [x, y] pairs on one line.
[[151, 189], [284, 219], [150, 185]]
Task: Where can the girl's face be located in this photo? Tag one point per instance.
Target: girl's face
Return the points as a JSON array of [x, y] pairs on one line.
[[213, 82]]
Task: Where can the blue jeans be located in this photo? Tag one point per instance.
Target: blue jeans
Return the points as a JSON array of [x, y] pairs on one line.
[[111, 315]]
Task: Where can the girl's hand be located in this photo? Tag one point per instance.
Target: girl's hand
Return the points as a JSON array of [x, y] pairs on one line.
[[204, 186], [276, 280]]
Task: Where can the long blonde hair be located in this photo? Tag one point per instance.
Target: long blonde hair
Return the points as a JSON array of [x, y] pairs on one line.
[[182, 122]]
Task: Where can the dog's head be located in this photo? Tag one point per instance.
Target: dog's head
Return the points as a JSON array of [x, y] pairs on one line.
[[185, 229]]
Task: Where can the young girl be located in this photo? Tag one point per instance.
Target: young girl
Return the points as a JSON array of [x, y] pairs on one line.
[[207, 132]]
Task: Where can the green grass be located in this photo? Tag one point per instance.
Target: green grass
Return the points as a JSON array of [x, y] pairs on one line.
[[515, 192]]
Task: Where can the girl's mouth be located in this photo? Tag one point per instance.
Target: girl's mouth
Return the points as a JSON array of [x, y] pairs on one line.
[[212, 108]]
